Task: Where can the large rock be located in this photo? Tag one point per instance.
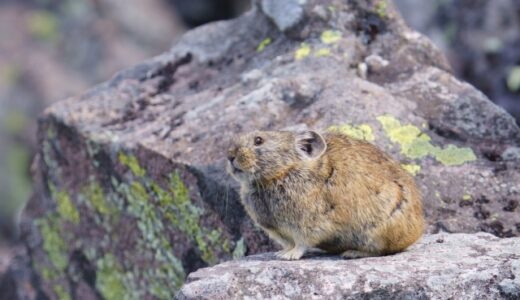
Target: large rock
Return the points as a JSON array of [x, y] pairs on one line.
[[481, 45], [132, 194], [441, 266]]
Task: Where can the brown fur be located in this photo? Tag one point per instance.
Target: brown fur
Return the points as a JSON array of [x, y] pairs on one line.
[[345, 196]]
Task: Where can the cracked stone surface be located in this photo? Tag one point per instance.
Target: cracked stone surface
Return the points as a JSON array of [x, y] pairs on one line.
[[132, 193], [440, 266]]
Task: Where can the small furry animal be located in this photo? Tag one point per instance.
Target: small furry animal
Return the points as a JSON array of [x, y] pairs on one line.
[[330, 192]]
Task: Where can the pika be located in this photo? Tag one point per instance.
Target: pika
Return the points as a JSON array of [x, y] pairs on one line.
[[330, 192]]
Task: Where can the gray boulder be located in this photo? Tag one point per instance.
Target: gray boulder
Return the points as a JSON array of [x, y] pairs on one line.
[[131, 191], [440, 266]]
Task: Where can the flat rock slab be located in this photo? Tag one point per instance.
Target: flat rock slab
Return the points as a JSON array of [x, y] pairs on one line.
[[440, 266]]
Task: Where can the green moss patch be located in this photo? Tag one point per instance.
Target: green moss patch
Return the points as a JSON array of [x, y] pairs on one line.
[[19, 183], [66, 208], [15, 122], [170, 275], [240, 249], [185, 216], [43, 25], [132, 163], [61, 293], [10, 75], [53, 243], [109, 279], [156, 209], [94, 193], [380, 8]]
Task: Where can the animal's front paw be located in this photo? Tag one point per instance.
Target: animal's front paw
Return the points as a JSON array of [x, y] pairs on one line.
[[282, 252], [292, 254]]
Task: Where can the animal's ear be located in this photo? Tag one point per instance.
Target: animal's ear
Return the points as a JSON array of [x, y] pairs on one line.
[[310, 144]]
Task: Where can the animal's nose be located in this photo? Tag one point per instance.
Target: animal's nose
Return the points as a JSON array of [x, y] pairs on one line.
[[232, 154]]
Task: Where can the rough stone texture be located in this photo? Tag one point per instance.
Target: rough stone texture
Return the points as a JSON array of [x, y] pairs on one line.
[[440, 266], [19, 281], [285, 14], [131, 189]]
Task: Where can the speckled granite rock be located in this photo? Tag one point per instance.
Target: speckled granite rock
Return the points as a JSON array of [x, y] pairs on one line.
[[440, 266], [132, 194]]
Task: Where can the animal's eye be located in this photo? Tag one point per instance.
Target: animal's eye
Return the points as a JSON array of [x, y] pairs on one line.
[[258, 141]]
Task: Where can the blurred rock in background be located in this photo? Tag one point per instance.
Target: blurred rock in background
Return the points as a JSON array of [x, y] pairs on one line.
[[51, 50], [481, 39]]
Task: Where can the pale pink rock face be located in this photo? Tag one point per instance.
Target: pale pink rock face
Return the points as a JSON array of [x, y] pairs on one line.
[[440, 266]]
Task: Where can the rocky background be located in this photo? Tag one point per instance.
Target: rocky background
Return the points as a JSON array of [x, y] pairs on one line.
[[64, 47], [52, 50]]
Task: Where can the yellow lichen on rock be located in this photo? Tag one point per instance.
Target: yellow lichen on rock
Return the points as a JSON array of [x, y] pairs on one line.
[[330, 36], [361, 132], [263, 44], [322, 52], [416, 144], [303, 51], [412, 168]]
